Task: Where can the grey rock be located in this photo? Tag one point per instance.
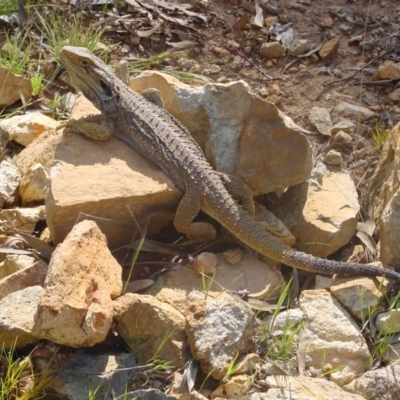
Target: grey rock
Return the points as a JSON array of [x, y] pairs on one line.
[[9, 181], [17, 311], [108, 373], [149, 394], [333, 157], [320, 118], [382, 383]]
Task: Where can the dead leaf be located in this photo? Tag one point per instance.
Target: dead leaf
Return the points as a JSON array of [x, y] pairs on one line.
[[184, 45], [147, 33], [41, 247], [368, 241], [368, 226], [258, 19]]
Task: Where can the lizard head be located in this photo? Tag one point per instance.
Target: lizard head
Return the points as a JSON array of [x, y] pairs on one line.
[[92, 77]]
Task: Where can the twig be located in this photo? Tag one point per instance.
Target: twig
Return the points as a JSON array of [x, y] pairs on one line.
[[363, 68]]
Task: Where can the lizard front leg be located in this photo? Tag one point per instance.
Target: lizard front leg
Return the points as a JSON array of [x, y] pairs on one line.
[[186, 212], [92, 126]]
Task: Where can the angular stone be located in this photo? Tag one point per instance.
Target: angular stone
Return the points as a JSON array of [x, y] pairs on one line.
[[272, 50], [9, 181], [332, 157], [27, 277], [321, 119], [17, 311], [12, 87], [384, 199], [34, 185], [218, 330], [83, 277], [388, 70], [330, 335], [151, 329], [346, 110], [26, 128], [322, 213], [240, 133], [109, 182], [329, 48], [381, 383]]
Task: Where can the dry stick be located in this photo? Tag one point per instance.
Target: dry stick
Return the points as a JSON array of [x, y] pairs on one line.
[[383, 82], [362, 69]]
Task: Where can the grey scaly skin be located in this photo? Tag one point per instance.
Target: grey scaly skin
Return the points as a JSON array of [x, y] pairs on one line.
[[159, 137]]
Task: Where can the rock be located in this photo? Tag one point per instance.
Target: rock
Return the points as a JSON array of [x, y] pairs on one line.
[[109, 181], [25, 128], [388, 322], [313, 92], [78, 312], [342, 377], [321, 119], [205, 263], [329, 48], [27, 277], [240, 133], [346, 29], [17, 311], [359, 295], [346, 126], [148, 394], [342, 140], [259, 278], [151, 329], [382, 383], [346, 110], [394, 95], [388, 70], [302, 388], [34, 185], [383, 199], [300, 46], [322, 213], [326, 23], [13, 88], [24, 219], [329, 334], [234, 387], [272, 50], [93, 372], [332, 157], [9, 181], [280, 321], [16, 262], [218, 330], [40, 151], [233, 256]]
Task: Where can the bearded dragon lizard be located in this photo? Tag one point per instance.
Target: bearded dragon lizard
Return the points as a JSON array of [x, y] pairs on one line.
[[161, 138]]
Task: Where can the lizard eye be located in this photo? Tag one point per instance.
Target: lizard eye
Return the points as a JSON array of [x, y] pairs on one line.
[[84, 63]]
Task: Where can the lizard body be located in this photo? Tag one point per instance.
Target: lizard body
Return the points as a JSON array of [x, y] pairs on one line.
[[159, 137]]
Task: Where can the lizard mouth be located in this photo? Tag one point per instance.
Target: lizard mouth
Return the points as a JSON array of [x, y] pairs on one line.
[[105, 88]]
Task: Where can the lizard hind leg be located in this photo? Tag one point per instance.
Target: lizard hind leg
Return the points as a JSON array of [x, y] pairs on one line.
[[186, 212], [239, 191]]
